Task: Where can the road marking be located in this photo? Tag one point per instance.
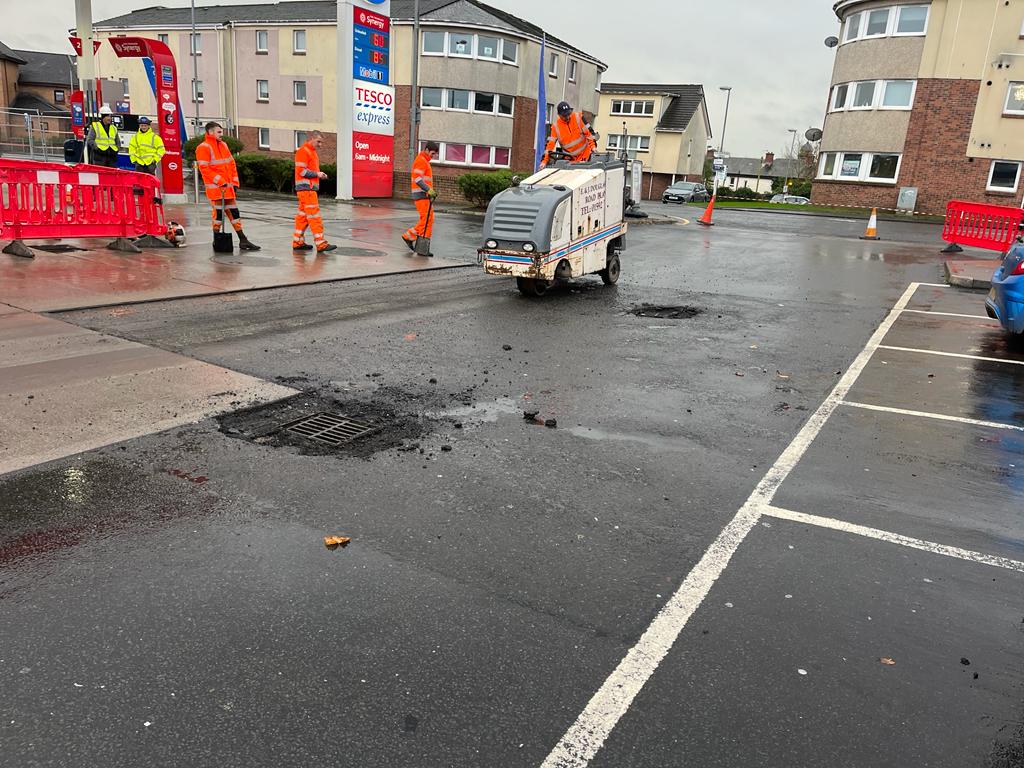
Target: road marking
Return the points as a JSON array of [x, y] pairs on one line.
[[952, 354], [612, 700], [893, 538], [931, 285], [929, 415], [951, 314]]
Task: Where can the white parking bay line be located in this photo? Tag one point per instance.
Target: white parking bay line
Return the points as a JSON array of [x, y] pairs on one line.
[[951, 314], [588, 734], [929, 415], [951, 354], [893, 538]]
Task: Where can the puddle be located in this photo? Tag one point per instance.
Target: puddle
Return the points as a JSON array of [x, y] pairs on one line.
[[480, 412], [652, 441]]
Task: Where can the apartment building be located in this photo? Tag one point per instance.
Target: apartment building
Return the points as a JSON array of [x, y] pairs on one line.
[[664, 126], [268, 72], [925, 97]]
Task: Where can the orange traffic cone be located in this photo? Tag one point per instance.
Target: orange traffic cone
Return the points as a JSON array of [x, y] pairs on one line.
[[871, 233], [706, 218]]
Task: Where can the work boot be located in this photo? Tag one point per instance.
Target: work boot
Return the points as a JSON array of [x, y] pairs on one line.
[[326, 247], [245, 244], [302, 247], [410, 243]]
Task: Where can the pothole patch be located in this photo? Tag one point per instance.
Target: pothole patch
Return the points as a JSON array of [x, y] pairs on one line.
[[666, 311]]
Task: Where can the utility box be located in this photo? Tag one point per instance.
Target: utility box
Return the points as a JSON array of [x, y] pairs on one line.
[[907, 200]]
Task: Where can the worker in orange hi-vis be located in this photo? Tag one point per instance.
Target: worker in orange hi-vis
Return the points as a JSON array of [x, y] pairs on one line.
[[220, 175], [423, 194], [572, 132], [307, 184]]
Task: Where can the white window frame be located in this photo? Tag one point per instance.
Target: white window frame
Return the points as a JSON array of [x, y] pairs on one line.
[[295, 92], [852, 106], [880, 179], [863, 171], [552, 64], [891, 26], [472, 103], [846, 97], [164, 38], [266, 46], [443, 98], [444, 43], [296, 51], [573, 66], [992, 170], [640, 140], [447, 98], [63, 96], [824, 160], [497, 48], [880, 97], [633, 104], [494, 154], [259, 138], [448, 45], [260, 98], [303, 134], [1006, 101], [198, 95], [497, 105], [515, 61], [847, 38], [597, 86], [469, 155], [867, 21], [196, 43], [899, 13]]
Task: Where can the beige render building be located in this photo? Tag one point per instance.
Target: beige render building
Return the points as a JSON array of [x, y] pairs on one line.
[[665, 126], [268, 72], [927, 96]]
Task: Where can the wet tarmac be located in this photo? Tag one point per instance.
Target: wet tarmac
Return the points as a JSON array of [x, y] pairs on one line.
[[169, 600]]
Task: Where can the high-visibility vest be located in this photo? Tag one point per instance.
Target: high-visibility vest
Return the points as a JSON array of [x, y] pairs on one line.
[[422, 178], [574, 136], [146, 148], [307, 168], [216, 165], [104, 138]]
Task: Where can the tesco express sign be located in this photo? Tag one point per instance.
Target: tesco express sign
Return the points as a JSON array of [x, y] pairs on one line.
[[373, 108]]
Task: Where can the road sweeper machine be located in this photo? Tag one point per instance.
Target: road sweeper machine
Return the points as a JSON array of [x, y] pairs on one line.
[[563, 222]]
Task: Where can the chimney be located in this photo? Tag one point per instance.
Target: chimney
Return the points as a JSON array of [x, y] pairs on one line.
[[769, 159]]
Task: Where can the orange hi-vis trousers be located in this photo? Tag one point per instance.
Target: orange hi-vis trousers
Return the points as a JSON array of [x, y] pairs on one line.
[[425, 226], [217, 215], [309, 216]]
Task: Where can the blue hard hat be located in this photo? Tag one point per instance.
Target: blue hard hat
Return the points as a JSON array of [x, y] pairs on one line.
[[145, 120], [564, 108]]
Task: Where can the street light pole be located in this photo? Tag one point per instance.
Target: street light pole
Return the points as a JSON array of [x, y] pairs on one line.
[[414, 99], [792, 158], [195, 72], [725, 122]]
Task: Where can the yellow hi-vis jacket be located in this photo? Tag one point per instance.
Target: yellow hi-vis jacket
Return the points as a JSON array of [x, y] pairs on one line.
[[146, 148], [104, 139]]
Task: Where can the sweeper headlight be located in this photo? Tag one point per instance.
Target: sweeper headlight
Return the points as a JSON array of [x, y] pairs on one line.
[[528, 247], [491, 243]]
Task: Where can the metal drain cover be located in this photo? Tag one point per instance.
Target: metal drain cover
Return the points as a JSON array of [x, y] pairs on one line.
[[328, 428], [344, 250]]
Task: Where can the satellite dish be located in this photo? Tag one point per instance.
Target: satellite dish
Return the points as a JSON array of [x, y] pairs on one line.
[[831, 42], [813, 134]]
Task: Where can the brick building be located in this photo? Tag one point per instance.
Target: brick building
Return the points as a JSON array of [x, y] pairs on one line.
[[926, 96]]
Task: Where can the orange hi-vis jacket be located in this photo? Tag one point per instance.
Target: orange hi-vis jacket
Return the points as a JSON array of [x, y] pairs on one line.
[[422, 176], [574, 136], [307, 169], [217, 166]]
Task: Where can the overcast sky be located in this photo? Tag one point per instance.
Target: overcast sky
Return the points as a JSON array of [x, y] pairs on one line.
[[770, 51]]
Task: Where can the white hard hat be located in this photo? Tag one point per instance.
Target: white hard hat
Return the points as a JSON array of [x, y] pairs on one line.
[[105, 110]]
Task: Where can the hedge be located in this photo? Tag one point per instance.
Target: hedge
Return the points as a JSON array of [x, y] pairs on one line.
[[189, 151], [479, 188]]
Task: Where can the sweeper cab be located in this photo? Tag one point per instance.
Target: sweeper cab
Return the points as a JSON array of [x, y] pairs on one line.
[[565, 221]]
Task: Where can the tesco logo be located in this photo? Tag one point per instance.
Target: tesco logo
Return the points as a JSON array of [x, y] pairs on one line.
[[374, 97]]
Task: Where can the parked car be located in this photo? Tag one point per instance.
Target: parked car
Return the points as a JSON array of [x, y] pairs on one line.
[[686, 192], [1005, 301], [789, 199]]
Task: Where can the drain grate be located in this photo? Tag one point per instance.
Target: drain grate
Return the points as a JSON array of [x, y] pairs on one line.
[[666, 312], [329, 428]]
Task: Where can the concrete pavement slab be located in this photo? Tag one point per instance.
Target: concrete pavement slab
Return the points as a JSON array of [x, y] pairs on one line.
[[971, 273], [66, 391]]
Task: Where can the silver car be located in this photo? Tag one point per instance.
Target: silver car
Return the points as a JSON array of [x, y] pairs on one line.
[[685, 192]]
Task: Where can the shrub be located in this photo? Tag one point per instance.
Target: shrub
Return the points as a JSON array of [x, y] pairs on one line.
[[189, 151], [744, 193], [479, 188], [256, 171]]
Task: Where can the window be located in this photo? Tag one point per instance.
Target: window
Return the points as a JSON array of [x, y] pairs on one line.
[[597, 85], [572, 70], [852, 28], [58, 97], [262, 41], [549, 114], [864, 95], [433, 43], [883, 167], [839, 97], [487, 47], [455, 153], [458, 100], [262, 90], [642, 108], [913, 20], [431, 98], [165, 39], [299, 42], [197, 91], [502, 155], [553, 65], [263, 138], [197, 44], [510, 51], [899, 94], [460, 44], [1003, 176], [878, 23], [484, 102], [299, 91], [481, 155], [300, 138], [1015, 99], [851, 166], [633, 143], [828, 164], [506, 105], [124, 87]]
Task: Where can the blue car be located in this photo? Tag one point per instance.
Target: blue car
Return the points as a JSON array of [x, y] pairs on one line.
[[1005, 301]]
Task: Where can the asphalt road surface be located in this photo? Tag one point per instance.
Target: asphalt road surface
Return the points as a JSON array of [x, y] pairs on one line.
[[777, 522]]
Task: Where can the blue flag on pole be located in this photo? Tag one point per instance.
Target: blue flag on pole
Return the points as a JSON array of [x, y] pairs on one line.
[[542, 107]]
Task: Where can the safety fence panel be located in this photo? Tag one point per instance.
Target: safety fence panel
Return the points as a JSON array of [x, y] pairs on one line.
[[53, 200], [993, 227]]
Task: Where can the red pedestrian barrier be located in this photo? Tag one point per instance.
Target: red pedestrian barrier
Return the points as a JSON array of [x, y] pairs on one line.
[[993, 227], [53, 200]]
